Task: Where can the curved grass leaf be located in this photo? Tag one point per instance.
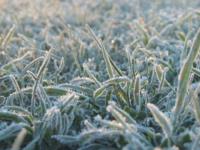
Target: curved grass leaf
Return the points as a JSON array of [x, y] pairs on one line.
[[164, 63], [72, 98], [17, 88], [184, 78], [163, 78], [162, 120], [41, 70], [105, 54], [29, 65], [15, 61], [196, 71], [143, 32], [19, 139], [8, 36], [119, 72], [12, 117], [78, 88], [98, 92], [20, 110], [91, 75], [117, 80], [58, 70], [10, 130], [123, 113], [196, 105], [83, 80]]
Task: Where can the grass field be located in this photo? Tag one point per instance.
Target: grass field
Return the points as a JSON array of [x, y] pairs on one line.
[[103, 74]]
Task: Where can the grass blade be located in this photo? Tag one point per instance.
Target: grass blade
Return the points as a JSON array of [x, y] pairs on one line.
[[137, 93], [17, 88], [161, 119], [10, 130], [184, 78], [91, 75], [105, 54], [8, 36], [12, 117], [195, 103], [19, 139], [41, 70]]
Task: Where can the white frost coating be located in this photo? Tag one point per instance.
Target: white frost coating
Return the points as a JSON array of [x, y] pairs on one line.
[[109, 108], [138, 76], [112, 103], [162, 120], [98, 118]]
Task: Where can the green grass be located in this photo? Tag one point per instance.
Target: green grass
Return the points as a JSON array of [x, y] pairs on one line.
[[99, 75]]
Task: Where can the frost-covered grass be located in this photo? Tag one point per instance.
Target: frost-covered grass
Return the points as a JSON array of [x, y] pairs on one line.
[[103, 74]]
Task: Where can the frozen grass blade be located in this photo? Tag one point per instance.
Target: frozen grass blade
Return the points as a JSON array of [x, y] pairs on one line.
[[196, 71], [20, 110], [105, 54], [19, 139], [32, 75], [123, 95], [29, 65], [15, 61], [42, 102], [135, 42], [65, 139], [180, 35], [73, 50], [50, 91], [137, 92], [8, 36], [131, 72], [58, 70], [78, 88], [92, 76], [195, 145], [158, 71], [10, 130], [160, 74], [119, 72], [109, 123], [164, 63], [12, 117], [162, 120], [182, 20], [45, 95], [123, 113], [195, 103], [44, 64], [83, 80], [147, 52], [118, 80], [184, 52], [71, 98], [117, 116], [17, 88], [163, 78], [125, 125], [98, 92], [143, 32], [41, 70], [184, 78]]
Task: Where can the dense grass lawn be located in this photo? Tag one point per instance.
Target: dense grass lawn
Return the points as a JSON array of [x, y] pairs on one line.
[[99, 74]]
